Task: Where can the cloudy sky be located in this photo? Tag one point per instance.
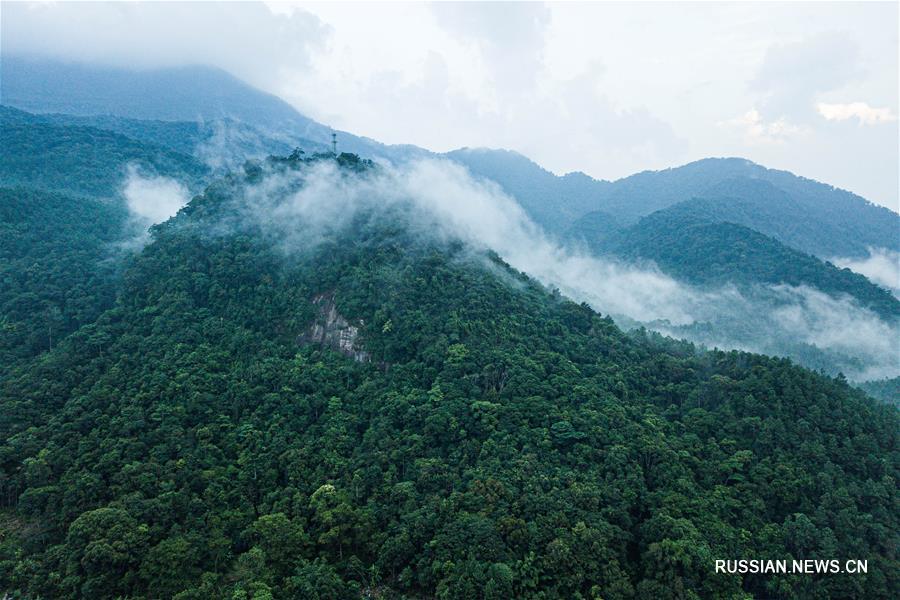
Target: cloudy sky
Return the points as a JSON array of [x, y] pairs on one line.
[[608, 89]]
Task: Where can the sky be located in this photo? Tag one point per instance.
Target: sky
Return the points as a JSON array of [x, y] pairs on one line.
[[609, 89]]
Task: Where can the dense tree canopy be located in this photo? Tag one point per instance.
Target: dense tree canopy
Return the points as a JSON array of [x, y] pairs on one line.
[[58, 266], [501, 442], [80, 160]]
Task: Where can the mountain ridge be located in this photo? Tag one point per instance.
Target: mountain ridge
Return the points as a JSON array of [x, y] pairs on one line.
[[503, 441]]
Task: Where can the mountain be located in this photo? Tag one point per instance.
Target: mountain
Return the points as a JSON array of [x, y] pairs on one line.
[[197, 94], [828, 225], [713, 253], [801, 213], [222, 141], [806, 215], [552, 202], [81, 160], [352, 406], [173, 94]]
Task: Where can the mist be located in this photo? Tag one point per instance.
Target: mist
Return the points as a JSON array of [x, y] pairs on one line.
[[441, 199], [152, 199], [881, 266]]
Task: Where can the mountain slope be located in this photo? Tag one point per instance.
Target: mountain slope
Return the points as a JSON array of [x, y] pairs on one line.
[[713, 253], [81, 160], [65, 227], [807, 216], [495, 441], [174, 94], [215, 141], [58, 265]]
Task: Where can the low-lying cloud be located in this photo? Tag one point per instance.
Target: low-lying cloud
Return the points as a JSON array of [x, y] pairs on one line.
[[152, 199], [441, 199], [881, 266]]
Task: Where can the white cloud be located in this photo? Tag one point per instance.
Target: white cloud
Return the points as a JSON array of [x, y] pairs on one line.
[[881, 266], [510, 37], [152, 199], [756, 129], [792, 74], [244, 38], [866, 114]]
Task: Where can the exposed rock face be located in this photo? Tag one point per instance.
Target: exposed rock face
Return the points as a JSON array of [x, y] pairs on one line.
[[332, 330]]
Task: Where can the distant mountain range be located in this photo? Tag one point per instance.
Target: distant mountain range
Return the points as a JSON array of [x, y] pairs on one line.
[[713, 253], [197, 94], [807, 215], [711, 223]]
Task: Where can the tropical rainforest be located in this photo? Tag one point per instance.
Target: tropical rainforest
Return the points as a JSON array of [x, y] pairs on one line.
[[247, 403], [501, 441]]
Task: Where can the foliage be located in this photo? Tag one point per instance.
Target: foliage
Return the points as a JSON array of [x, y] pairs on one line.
[[887, 390], [502, 442], [58, 265], [80, 160]]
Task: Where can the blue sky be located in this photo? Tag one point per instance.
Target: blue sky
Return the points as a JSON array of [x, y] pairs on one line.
[[605, 88]]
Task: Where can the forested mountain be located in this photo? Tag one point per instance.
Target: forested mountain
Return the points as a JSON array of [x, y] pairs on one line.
[[799, 213], [65, 228], [715, 253], [79, 159], [887, 390], [337, 408], [804, 214]]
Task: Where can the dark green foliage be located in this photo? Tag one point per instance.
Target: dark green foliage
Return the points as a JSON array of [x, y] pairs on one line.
[[58, 267], [80, 160], [503, 442]]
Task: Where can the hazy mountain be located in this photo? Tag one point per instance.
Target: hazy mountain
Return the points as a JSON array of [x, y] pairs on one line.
[[553, 202], [712, 253], [804, 214], [196, 94], [210, 140], [172, 94], [807, 215]]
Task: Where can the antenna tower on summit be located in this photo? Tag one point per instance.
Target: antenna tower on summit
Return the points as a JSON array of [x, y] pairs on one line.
[[334, 143]]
